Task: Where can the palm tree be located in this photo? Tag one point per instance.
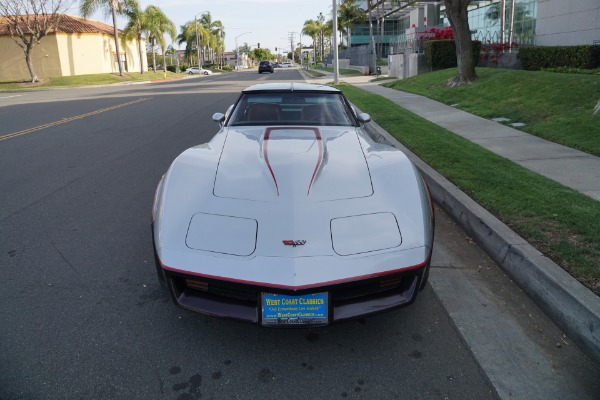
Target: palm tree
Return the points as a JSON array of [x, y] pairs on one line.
[[194, 34], [311, 29], [349, 14], [218, 35], [134, 28], [322, 28], [187, 36], [114, 7], [206, 22], [213, 33], [156, 25]]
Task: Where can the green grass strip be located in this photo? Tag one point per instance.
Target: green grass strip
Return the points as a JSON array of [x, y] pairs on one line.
[[560, 222], [555, 106], [84, 80]]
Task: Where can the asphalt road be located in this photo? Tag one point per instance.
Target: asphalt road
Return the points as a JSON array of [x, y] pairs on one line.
[[83, 317]]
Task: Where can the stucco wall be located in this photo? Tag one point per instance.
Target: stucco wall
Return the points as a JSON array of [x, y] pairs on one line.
[[67, 55], [567, 23], [44, 57]]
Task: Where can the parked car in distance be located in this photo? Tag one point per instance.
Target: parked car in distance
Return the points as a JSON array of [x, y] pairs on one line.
[[266, 66], [196, 70], [292, 215], [277, 65], [287, 64]]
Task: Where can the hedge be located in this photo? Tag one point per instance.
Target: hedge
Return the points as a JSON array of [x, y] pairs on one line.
[[534, 58], [441, 54]]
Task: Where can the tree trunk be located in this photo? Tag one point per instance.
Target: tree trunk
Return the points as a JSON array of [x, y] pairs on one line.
[[139, 40], [512, 21], [372, 38], [322, 46], [28, 51], [116, 33], [380, 27], [501, 15], [153, 56], [456, 10]]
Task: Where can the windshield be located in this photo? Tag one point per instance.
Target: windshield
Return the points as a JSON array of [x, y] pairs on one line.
[[291, 108]]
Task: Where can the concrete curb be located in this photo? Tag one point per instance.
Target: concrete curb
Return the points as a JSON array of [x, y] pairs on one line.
[[573, 307]]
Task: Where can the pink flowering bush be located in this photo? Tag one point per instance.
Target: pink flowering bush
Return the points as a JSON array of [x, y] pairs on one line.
[[438, 34]]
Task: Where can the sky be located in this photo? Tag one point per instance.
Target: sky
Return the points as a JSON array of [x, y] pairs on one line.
[[270, 22]]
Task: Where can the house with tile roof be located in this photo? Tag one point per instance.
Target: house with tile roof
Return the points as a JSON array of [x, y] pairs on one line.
[[77, 46]]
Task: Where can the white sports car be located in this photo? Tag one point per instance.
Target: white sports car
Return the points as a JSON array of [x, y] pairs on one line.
[[196, 70], [292, 214]]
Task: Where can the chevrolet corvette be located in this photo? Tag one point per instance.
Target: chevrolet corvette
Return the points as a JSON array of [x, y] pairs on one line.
[[292, 215]]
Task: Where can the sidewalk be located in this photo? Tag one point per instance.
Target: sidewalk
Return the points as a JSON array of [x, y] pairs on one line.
[[573, 307]]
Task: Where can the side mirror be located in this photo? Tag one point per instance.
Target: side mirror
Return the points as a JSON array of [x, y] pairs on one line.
[[218, 117], [362, 117]]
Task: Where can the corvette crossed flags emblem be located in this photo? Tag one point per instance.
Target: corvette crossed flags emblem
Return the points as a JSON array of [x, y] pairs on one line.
[[294, 242]]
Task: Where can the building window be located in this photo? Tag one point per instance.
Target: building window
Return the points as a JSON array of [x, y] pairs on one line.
[[485, 21]]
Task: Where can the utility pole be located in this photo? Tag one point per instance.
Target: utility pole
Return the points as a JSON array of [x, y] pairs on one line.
[[292, 40], [336, 69], [291, 37]]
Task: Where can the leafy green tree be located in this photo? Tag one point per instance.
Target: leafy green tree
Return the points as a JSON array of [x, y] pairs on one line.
[[261, 54]]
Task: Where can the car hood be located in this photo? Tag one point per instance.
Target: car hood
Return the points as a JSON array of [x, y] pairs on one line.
[[292, 164]]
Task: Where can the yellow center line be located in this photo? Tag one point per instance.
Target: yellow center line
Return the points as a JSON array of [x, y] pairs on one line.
[[65, 120]]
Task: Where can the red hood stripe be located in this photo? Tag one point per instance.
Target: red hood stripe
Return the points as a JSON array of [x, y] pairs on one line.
[[319, 139]]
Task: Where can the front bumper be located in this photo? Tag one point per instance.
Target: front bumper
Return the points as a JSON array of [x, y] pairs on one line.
[[348, 300]]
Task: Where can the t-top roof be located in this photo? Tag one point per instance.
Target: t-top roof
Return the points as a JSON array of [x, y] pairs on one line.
[[290, 87]]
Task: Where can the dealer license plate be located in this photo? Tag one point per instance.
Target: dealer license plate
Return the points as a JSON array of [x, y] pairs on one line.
[[307, 309]]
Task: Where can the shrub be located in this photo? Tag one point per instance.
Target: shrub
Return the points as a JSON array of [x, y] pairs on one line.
[[568, 70], [534, 58], [227, 68], [172, 68], [441, 54], [493, 51]]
